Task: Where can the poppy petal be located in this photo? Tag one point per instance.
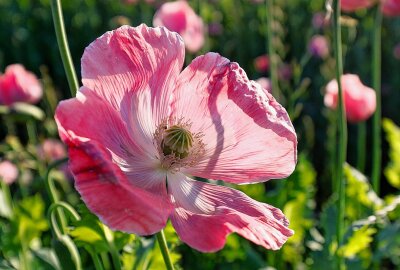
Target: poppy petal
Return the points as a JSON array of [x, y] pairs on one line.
[[206, 214]]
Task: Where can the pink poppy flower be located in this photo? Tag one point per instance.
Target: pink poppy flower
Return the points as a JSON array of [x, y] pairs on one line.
[[8, 172], [352, 5], [391, 7], [141, 130], [52, 149], [359, 100], [261, 63], [318, 46], [19, 85], [179, 17]]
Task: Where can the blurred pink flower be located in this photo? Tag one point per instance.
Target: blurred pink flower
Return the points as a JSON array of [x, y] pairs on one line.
[[285, 72], [215, 29], [19, 85], [359, 100], [352, 5], [8, 172], [396, 51], [391, 7], [265, 83], [319, 21], [319, 46], [51, 150], [261, 63], [179, 17], [142, 128]]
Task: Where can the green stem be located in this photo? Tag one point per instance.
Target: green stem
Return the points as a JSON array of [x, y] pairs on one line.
[[10, 126], [23, 256], [272, 55], [60, 232], [96, 260], [361, 144], [32, 133], [377, 117], [51, 190], [7, 195], [113, 250], [63, 46], [164, 250], [342, 140]]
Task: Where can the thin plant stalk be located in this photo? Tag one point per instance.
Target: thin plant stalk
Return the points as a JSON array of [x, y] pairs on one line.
[[361, 145], [32, 133], [113, 250], [162, 242], [51, 190], [62, 41], [342, 136], [377, 117], [7, 194], [11, 129], [271, 52]]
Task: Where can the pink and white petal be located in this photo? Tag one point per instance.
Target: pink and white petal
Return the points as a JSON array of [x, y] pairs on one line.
[[248, 135], [108, 193], [206, 214], [88, 116], [130, 59]]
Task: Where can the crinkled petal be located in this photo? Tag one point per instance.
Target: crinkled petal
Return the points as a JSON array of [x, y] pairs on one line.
[[128, 60], [248, 136], [88, 116], [107, 192], [206, 214]]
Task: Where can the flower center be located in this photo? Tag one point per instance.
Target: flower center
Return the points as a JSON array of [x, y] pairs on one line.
[[177, 141], [177, 145]]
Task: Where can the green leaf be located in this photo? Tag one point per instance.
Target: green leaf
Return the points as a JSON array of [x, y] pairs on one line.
[[359, 241], [299, 208], [89, 232], [47, 257], [392, 171], [388, 243], [361, 199]]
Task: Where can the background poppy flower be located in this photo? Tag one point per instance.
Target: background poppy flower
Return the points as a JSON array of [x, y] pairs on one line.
[[8, 172], [179, 17], [391, 7], [359, 100], [19, 85], [352, 5]]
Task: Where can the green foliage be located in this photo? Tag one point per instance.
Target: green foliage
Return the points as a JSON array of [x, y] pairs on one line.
[[361, 200], [359, 241], [300, 187], [144, 253], [88, 232], [392, 171]]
